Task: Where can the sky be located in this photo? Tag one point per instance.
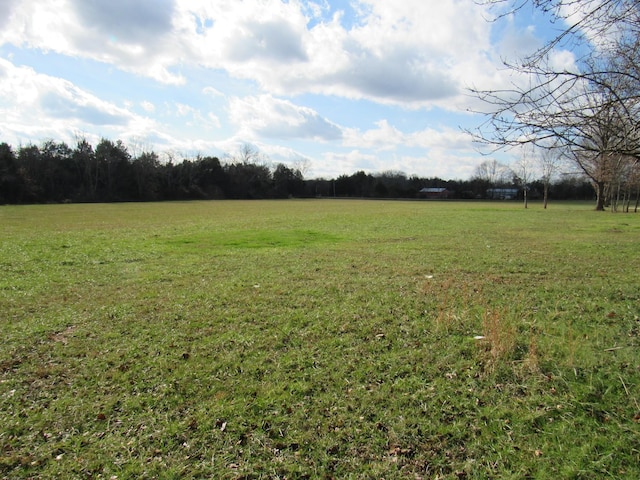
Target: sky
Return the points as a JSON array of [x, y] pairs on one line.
[[328, 86]]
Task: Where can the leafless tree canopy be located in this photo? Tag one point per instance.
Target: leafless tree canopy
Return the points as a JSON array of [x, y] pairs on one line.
[[591, 111]]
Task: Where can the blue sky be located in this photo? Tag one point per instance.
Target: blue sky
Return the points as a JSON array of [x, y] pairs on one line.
[[329, 86]]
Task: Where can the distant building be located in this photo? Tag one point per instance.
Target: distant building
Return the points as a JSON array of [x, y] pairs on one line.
[[502, 193], [429, 192]]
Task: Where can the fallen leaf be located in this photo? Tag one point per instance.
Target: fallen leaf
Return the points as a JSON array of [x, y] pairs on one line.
[[221, 424]]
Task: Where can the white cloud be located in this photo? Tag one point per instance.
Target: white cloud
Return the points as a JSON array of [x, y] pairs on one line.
[[384, 137], [193, 118], [344, 163], [38, 106], [273, 118], [395, 53], [214, 120], [213, 92], [517, 43], [403, 52], [183, 110], [435, 163], [148, 106], [563, 61], [274, 40], [6, 9], [28, 94], [388, 137], [126, 21], [135, 36], [444, 139]]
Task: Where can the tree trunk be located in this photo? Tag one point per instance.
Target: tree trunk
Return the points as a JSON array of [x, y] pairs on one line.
[[626, 199], [599, 188], [545, 196], [614, 207]]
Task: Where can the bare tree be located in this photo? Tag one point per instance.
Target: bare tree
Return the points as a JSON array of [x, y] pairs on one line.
[[523, 170], [492, 173], [634, 184], [607, 137], [623, 184], [592, 110], [250, 173], [550, 161], [303, 165], [248, 154]]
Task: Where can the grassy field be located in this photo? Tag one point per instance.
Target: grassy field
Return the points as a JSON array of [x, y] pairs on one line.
[[319, 339]]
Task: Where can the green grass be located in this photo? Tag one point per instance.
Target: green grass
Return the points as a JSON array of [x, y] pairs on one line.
[[319, 339]]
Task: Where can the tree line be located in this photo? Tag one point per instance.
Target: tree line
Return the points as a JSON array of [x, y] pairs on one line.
[[109, 172]]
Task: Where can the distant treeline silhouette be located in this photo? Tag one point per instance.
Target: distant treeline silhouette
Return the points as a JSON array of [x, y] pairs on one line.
[[54, 172]]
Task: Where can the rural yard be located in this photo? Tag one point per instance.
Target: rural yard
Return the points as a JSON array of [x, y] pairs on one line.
[[319, 339]]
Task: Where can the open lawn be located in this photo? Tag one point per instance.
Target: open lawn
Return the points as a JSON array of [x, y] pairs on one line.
[[319, 339]]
